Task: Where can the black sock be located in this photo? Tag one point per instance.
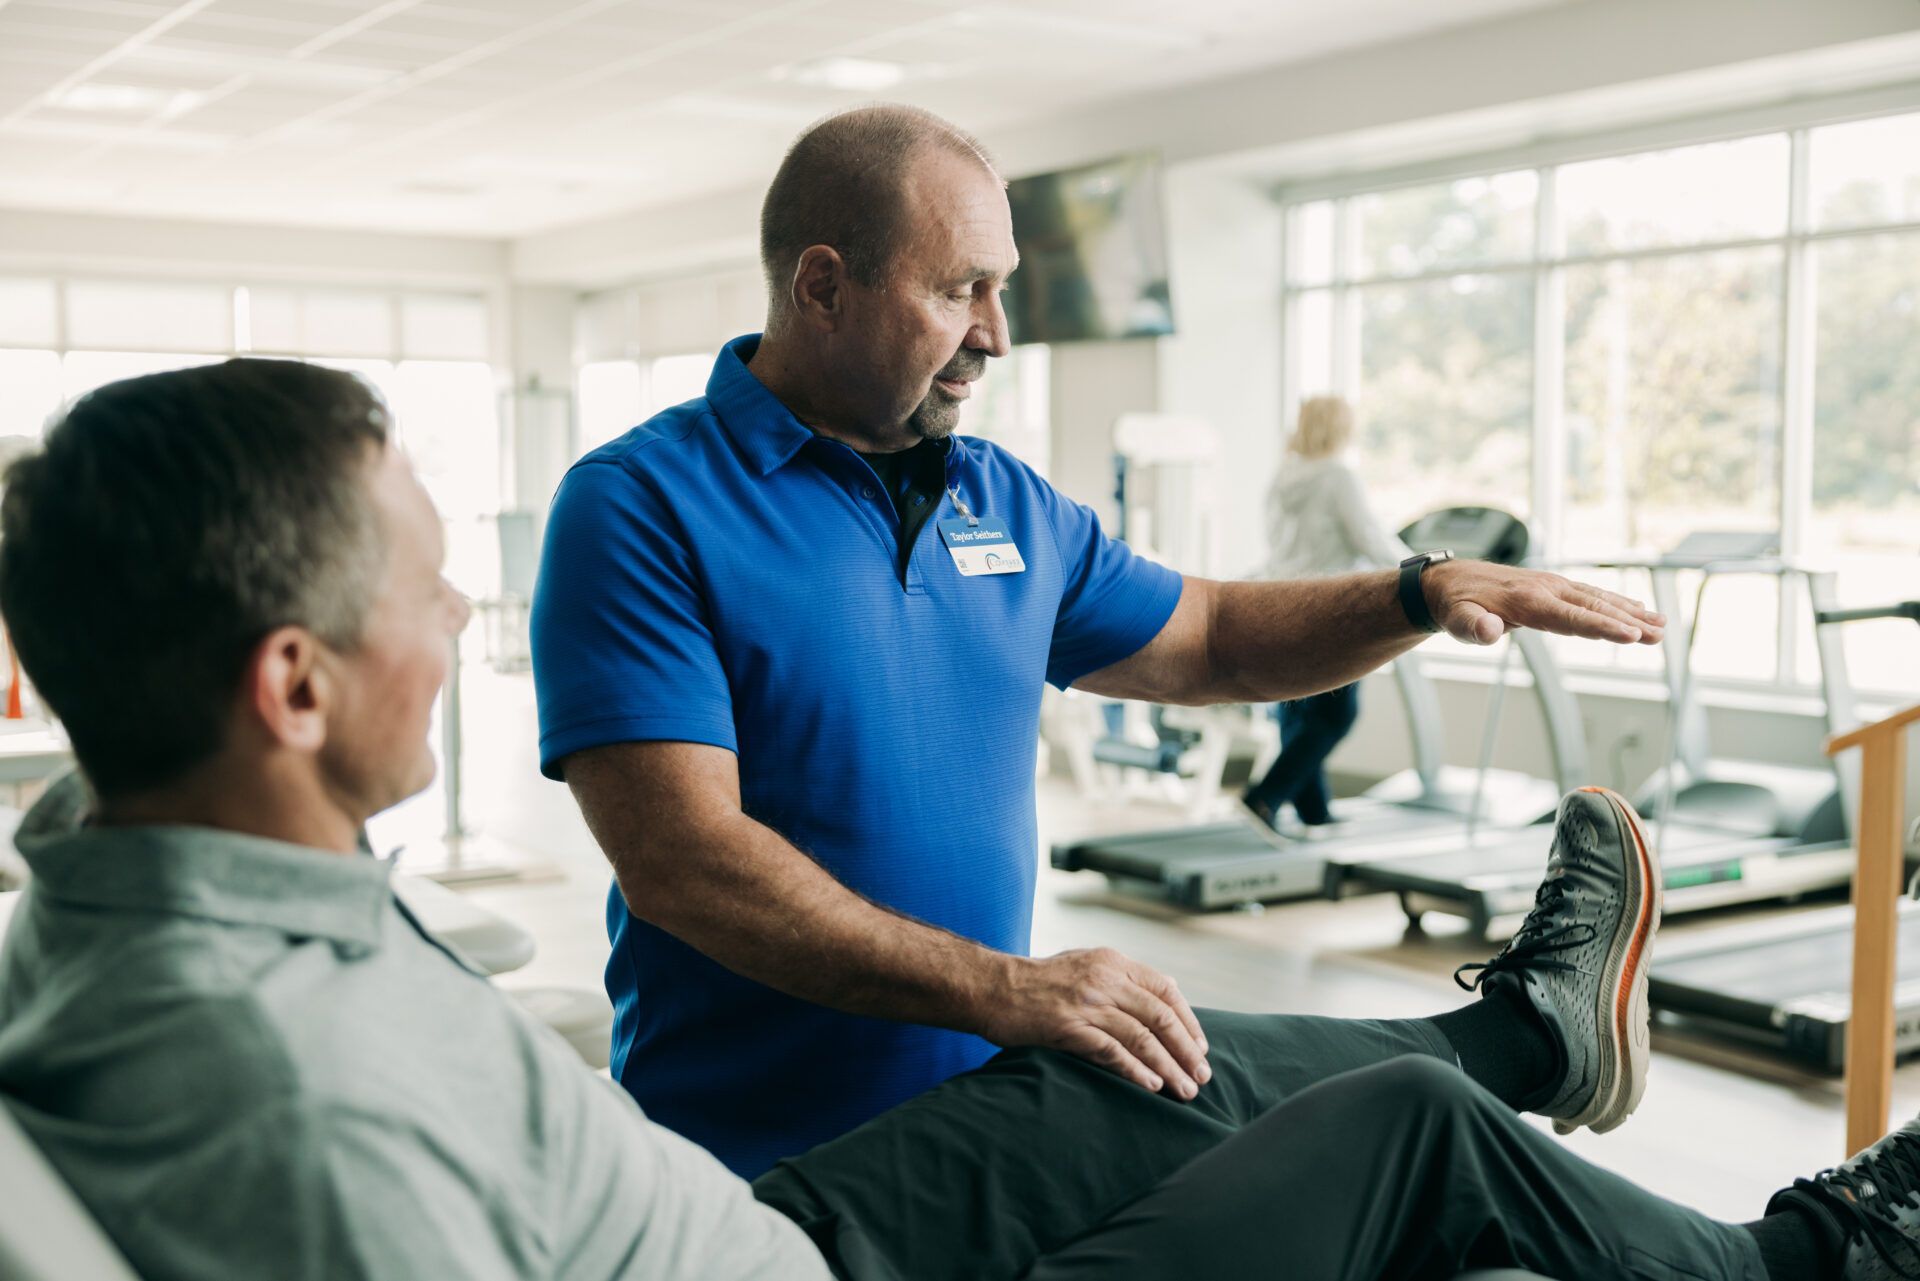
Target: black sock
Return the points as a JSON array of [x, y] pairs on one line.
[[1502, 1044], [1791, 1247]]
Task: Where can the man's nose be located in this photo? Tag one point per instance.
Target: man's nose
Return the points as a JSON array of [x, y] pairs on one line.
[[990, 333]]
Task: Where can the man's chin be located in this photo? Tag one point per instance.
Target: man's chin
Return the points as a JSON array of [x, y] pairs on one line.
[[933, 421]]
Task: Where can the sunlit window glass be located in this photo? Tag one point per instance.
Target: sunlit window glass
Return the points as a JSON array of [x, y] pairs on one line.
[[1673, 422], [31, 383], [1466, 222], [1446, 393], [1866, 457], [448, 416], [1866, 173], [1313, 322], [1010, 405], [1313, 243], [611, 400], [82, 371], [674, 379], [1719, 191]]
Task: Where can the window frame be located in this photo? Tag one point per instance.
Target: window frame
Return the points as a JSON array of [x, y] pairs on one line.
[[1548, 263]]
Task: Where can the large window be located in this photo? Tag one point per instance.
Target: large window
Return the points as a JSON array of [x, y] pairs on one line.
[[426, 353], [1628, 348]]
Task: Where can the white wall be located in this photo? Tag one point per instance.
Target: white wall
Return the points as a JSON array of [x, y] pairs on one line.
[[90, 244], [1223, 362], [1565, 63], [1093, 383]]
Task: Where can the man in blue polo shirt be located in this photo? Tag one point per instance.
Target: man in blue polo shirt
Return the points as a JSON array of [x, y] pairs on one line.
[[801, 723]]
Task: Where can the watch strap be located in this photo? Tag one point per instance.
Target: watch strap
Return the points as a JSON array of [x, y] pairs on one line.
[[1413, 599]]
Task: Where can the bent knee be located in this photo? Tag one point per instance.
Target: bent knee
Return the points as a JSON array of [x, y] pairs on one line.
[[1423, 1082]]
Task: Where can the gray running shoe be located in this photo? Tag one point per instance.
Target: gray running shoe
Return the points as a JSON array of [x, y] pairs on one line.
[[1869, 1206], [1580, 961]]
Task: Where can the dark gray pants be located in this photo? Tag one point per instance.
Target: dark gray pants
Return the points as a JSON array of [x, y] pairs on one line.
[[1322, 1148]]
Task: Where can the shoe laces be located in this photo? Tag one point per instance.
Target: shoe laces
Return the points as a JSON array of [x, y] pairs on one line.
[[1864, 1193], [1540, 935]]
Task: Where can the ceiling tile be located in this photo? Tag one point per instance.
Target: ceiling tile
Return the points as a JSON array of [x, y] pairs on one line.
[[501, 116]]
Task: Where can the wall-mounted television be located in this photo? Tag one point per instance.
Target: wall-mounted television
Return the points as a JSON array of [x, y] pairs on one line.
[[1093, 253]]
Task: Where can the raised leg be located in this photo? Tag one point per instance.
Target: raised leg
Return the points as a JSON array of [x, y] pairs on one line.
[[1402, 1170]]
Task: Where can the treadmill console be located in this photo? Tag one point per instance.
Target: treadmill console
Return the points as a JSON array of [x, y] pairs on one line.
[[1473, 533], [1705, 547]]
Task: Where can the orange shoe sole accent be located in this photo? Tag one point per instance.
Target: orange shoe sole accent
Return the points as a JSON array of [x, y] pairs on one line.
[[1623, 999]]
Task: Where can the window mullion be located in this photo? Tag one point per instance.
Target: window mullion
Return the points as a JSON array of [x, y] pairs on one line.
[[1799, 320], [1549, 372], [1289, 315], [1346, 302]]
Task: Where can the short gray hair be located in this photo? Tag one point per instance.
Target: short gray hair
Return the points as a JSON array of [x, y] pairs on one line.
[[170, 524], [841, 186]]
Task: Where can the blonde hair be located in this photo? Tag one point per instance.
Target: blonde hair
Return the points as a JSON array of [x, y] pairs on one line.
[[1325, 427]]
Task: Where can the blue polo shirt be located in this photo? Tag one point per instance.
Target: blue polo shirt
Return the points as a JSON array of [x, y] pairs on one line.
[[721, 575]]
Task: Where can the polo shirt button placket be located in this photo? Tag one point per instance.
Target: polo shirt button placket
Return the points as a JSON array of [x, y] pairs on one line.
[[867, 493]]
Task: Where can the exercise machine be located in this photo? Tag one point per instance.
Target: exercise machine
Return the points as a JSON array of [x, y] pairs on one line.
[[1786, 985], [1430, 806], [1728, 832]]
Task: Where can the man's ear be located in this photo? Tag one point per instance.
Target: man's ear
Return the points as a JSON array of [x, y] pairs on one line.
[[819, 293], [288, 690]]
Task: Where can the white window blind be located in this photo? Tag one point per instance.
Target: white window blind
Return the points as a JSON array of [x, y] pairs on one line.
[[116, 316], [443, 327], [322, 322]]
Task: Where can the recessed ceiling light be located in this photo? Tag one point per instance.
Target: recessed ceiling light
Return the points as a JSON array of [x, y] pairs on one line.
[[860, 75], [125, 99]]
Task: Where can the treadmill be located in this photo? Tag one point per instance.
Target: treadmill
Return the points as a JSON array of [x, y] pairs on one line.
[[1727, 832], [1427, 807], [1786, 985]]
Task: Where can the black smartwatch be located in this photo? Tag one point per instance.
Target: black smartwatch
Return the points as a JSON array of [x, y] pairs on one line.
[[1412, 598]]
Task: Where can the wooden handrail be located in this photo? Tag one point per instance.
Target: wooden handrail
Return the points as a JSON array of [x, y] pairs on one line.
[[1853, 738]]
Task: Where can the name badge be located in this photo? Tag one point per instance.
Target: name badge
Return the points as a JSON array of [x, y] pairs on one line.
[[985, 548]]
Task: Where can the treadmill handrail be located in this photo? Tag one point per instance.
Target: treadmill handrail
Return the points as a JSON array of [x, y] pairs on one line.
[[1770, 565], [1905, 609]]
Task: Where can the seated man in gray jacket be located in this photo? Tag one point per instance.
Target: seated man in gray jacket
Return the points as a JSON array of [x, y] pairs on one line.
[[249, 1061]]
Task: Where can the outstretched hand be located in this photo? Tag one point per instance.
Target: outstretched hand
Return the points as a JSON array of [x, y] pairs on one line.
[[1100, 1006], [1478, 602]]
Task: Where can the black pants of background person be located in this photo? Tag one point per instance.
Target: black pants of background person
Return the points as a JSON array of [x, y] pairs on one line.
[[1322, 1148], [1310, 728]]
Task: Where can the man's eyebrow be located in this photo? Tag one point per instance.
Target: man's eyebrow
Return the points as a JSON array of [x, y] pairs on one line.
[[971, 274]]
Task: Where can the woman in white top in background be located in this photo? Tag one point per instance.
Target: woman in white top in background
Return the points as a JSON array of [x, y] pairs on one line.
[[1318, 523]]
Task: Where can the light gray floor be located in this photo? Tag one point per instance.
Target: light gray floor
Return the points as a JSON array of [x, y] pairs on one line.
[[1707, 1135]]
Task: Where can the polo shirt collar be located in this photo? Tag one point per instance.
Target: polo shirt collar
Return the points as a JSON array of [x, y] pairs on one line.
[[764, 429], [203, 872]]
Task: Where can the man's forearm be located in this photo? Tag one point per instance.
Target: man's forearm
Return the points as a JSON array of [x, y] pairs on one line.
[[744, 896], [1262, 642], [1273, 641]]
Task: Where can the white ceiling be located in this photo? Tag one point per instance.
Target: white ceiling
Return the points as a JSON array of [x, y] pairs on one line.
[[502, 117]]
